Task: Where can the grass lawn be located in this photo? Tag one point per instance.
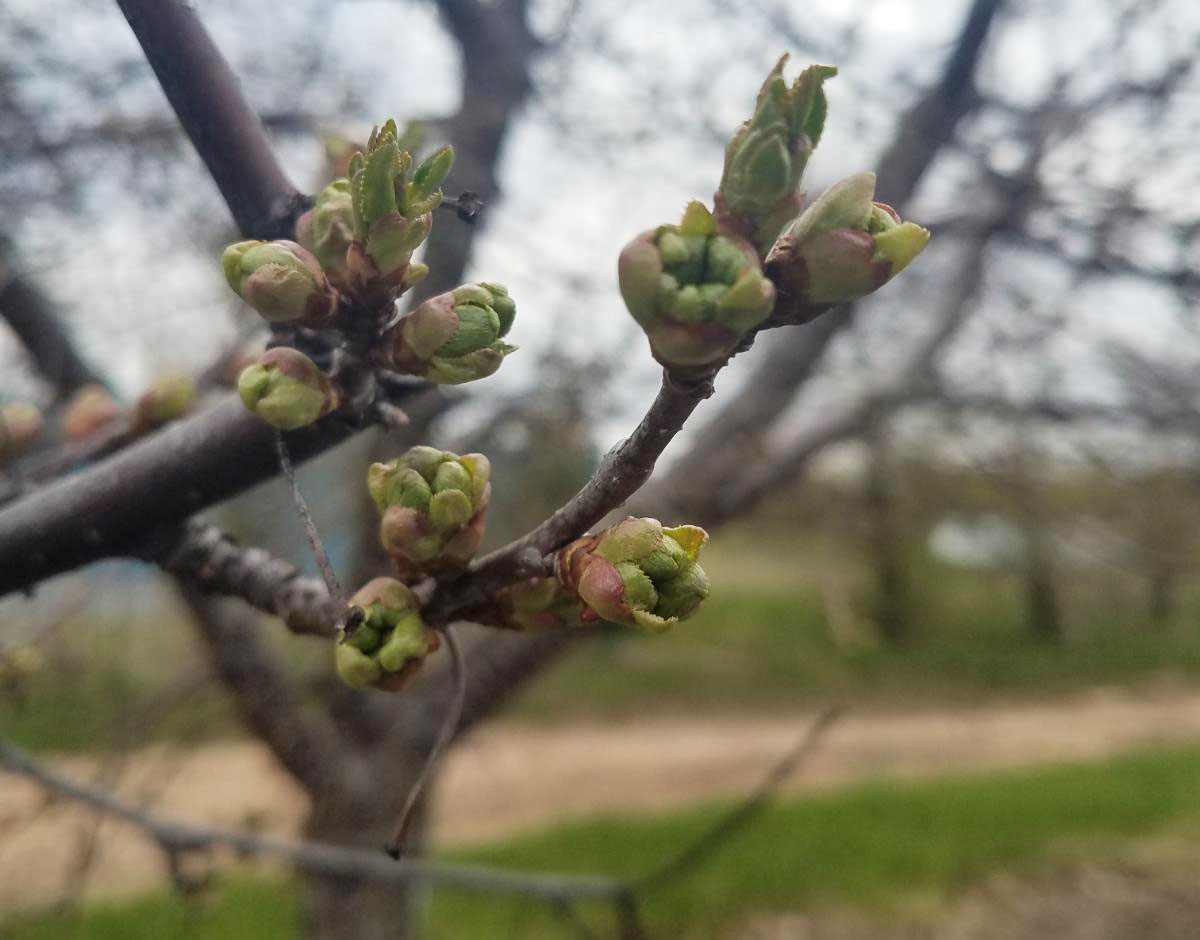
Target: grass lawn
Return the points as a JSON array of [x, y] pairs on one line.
[[872, 846]]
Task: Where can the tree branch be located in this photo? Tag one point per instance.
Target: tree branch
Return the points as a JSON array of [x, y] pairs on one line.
[[111, 507], [301, 739], [32, 318], [207, 98], [319, 858], [621, 472], [209, 560]]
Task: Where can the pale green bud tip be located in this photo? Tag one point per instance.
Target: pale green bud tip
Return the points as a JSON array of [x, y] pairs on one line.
[[168, 398], [429, 175], [766, 156], [20, 423], [900, 245], [286, 389], [844, 246]]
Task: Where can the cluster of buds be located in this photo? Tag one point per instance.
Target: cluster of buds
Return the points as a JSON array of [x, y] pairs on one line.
[[281, 280], [357, 240], [843, 247], [433, 504], [89, 410], [539, 604], [364, 229], [169, 397], [388, 643], [20, 424], [637, 573], [766, 156], [454, 337], [286, 389], [695, 289]]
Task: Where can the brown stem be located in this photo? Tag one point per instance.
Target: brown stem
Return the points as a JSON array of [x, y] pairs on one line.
[[207, 98], [111, 507]]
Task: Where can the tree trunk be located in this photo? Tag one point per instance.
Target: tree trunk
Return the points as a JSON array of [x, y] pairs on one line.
[[892, 600], [348, 909]]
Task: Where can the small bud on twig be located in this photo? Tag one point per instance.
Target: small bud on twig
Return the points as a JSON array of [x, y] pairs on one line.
[[695, 291], [637, 573], [539, 604], [433, 504], [20, 424], [766, 156], [454, 337], [281, 280], [168, 397], [390, 640], [286, 389], [88, 410], [843, 247]]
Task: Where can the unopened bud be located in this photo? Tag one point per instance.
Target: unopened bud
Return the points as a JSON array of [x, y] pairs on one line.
[[20, 424], [281, 280], [433, 504], [390, 641], [766, 156], [696, 292], [454, 337], [843, 247], [286, 389], [637, 573], [88, 410], [168, 398]]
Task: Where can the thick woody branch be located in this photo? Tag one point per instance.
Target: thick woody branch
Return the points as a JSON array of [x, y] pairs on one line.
[[319, 858], [207, 98], [111, 507]]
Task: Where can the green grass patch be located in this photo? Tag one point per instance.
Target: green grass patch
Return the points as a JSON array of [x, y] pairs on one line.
[[870, 846]]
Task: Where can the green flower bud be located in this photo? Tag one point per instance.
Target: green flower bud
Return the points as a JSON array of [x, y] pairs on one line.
[[695, 290], [766, 156], [432, 504], [169, 397], [390, 642], [281, 280], [454, 337], [89, 410], [286, 389], [390, 215], [637, 573], [843, 247], [327, 229], [20, 424]]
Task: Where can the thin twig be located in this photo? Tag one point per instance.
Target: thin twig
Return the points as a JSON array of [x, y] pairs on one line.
[[328, 575], [317, 857], [458, 673], [737, 818]]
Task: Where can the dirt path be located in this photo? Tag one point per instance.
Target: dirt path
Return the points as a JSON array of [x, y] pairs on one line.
[[510, 776]]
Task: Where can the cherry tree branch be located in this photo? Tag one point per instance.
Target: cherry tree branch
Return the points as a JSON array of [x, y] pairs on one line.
[[113, 506], [302, 739], [321, 858], [207, 98], [209, 560]]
